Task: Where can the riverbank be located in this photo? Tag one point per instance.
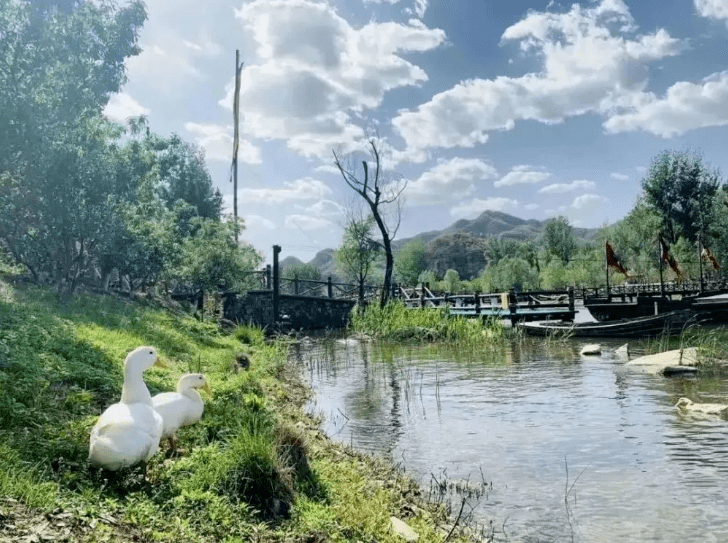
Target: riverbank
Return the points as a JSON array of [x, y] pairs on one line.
[[255, 468]]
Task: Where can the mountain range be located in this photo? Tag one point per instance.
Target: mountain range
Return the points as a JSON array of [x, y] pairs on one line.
[[460, 245]]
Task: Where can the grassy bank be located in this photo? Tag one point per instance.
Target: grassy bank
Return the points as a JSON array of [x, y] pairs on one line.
[[255, 468], [395, 322]]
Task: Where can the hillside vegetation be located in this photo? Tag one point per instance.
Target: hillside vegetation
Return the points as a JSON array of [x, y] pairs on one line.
[[255, 468]]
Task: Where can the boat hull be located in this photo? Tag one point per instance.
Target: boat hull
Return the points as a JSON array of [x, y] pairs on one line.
[[653, 325]]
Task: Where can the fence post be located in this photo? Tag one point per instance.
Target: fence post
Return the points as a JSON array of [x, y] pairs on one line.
[[513, 306], [276, 282], [330, 287], [422, 295], [572, 308], [477, 303], [268, 277], [295, 286]]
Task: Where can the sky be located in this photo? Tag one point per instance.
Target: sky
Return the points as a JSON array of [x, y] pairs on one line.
[[533, 108]]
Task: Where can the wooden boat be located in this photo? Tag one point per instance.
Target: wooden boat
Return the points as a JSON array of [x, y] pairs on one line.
[[669, 323]]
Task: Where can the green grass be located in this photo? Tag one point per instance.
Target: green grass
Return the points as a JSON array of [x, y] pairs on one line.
[[396, 323], [255, 468]]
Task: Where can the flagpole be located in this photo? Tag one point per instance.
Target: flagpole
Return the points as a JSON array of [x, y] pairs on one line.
[[659, 265], [606, 270], [700, 265]]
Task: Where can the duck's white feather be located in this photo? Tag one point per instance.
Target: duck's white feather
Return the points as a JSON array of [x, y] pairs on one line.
[[125, 435], [183, 407], [128, 432]]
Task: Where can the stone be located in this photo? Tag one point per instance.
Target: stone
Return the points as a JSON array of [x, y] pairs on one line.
[[623, 350], [403, 530], [656, 363], [686, 405], [591, 349]]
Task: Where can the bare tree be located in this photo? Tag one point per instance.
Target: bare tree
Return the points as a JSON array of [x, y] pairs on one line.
[[382, 194]]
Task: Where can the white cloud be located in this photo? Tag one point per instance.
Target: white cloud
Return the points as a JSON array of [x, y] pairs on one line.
[[449, 180], [324, 208], [686, 106], [715, 9], [306, 222], [531, 207], [292, 191], [590, 63], [559, 188], [121, 107], [477, 206], [217, 141], [641, 169], [256, 222], [619, 176], [522, 175], [314, 73], [588, 201]]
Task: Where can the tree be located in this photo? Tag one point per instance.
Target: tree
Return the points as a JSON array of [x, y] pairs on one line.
[[380, 192], [680, 187], [410, 262], [60, 61], [559, 238], [358, 251], [452, 281], [183, 175]]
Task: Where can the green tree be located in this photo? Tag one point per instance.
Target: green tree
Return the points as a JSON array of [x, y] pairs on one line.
[[409, 263], [510, 272], [380, 192], [559, 239], [358, 252], [680, 187], [451, 281], [183, 175]]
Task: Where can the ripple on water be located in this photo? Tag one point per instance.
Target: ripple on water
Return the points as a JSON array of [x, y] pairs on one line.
[[532, 423]]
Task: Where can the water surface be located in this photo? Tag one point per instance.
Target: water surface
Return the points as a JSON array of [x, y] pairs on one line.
[[565, 447]]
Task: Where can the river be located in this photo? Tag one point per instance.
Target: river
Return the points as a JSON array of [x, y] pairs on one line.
[[553, 446]]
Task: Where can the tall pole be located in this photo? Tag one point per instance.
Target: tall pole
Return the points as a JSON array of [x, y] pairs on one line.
[[700, 265], [659, 265], [606, 269], [236, 119]]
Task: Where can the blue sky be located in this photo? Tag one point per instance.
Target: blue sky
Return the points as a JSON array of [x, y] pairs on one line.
[[528, 107]]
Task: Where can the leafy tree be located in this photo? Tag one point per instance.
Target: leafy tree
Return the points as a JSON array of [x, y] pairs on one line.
[[380, 192], [358, 252], [183, 175], [410, 262], [559, 238], [680, 187], [451, 281], [211, 260], [510, 272]]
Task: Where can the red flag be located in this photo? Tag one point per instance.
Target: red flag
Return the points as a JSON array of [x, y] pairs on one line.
[[706, 254], [612, 260], [667, 257]]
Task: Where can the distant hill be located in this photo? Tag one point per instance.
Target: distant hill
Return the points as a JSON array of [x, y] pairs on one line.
[[460, 245]]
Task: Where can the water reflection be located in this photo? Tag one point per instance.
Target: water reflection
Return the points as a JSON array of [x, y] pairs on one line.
[[576, 448]]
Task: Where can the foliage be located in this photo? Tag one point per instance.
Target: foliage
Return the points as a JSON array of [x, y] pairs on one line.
[[451, 281], [559, 238], [248, 460], [396, 322], [510, 272], [358, 252], [409, 263], [381, 193], [679, 187]]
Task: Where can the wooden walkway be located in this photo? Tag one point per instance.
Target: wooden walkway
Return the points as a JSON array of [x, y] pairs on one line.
[[515, 306]]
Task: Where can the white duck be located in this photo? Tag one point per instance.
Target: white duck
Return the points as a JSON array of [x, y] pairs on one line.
[[181, 408], [685, 404], [128, 432]]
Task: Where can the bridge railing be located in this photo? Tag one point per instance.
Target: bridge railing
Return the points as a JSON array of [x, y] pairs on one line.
[[327, 289]]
